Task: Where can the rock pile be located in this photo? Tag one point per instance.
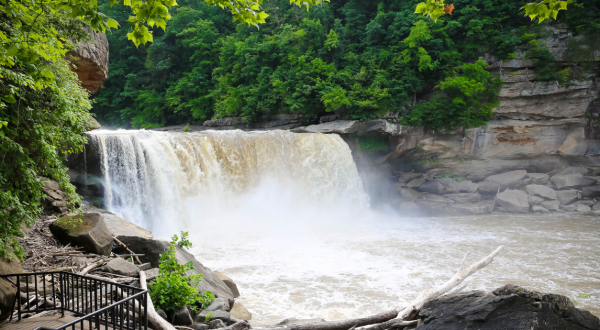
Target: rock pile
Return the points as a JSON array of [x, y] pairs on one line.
[[569, 190]]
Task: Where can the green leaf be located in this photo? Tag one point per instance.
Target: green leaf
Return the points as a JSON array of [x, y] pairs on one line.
[[9, 98]]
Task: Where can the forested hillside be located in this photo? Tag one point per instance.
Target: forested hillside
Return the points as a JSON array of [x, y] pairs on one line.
[[366, 57]]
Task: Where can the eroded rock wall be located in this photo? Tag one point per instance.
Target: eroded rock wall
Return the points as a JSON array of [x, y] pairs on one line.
[[90, 61]]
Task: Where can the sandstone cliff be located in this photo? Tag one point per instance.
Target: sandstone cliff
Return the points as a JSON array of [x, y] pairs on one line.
[[90, 61]]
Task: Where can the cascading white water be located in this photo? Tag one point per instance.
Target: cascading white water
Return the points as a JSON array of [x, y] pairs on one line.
[[168, 181]]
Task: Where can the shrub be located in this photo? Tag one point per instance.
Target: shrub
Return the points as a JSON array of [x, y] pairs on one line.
[[173, 288]]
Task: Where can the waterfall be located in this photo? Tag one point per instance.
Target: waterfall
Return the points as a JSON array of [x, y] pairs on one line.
[[167, 181]]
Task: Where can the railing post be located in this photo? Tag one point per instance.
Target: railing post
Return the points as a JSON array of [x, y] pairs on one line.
[[18, 298], [145, 311], [62, 294]]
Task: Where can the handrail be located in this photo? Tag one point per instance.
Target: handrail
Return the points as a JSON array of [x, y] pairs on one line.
[[99, 301]]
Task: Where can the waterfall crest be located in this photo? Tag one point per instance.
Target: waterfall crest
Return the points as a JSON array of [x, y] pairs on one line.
[[164, 181]]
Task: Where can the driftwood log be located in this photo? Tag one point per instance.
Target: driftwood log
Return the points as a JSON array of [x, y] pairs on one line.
[[155, 321]]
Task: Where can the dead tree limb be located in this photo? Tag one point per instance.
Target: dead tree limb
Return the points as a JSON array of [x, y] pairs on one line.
[[347, 324], [92, 266], [415, 306], [126, 248], [155, 321]]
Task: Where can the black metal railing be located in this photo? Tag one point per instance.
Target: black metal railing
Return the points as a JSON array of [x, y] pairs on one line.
[[101, 304]]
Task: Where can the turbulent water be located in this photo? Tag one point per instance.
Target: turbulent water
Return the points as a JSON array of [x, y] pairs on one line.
[[285, 216]]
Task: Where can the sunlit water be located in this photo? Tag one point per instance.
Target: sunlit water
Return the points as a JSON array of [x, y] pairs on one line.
[[363, 266], [286, 217]]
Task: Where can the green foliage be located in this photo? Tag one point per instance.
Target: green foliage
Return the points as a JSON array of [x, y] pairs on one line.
[[432, 8], [70, 223], [544, 9], [465, 100], [186, 128], [208, 318], [372, 144], [173, 288]]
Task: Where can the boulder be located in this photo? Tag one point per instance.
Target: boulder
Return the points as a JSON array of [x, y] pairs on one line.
[[435, 198], [539, 209], [408, 193], [409, 176], [380, 127], [572, 170], [596, 206], [409, 207], [591, 191], [122, 267], [90, 59], [219, 304], [488, 187], [152, 248], [463, 198], [433, 187], [151, 274], [582, 208], [337, 127], [522, 184], [467, 186], [588, 202], [8, 292], [508, 307], [451, 186], [181, 316], [551, 205], [87, 231], [514, 201], [293, 320], [567, 196], [229, 282], [541, 191], [535, 200], [199, 326], [216, 324], [162, 314], [469, 209], [507, 179], [240, 312], [432, 207], [121, 227], [539, 178], [569, 208], [215, 315], [571, 181], [415, 182], [145, 266]]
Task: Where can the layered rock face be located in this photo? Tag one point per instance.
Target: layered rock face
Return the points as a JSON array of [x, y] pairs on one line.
[[90, 61]]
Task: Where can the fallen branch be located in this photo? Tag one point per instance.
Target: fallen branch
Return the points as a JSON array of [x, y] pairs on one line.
[[92, 266], [126, 248], [415, 306], [155, 321]]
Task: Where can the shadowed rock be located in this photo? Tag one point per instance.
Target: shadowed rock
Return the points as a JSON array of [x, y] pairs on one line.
[[87, 230], [514, 201]]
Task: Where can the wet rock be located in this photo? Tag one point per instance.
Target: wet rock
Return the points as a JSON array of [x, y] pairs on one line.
[[152, 248], [435, 198], [451, 186], [539, 178], [591, 191], [551, 205], [408, 193], [240, 312], [293, 320], [514, 201], [240, 325], [216, 324], [219, 304], [409, 207], [535, 200], [431, 207], [215, 315], [569, 208], [409, 176], [181, 316], [87, 230], [467, 186], [122, 267], [539, 209], [469, 208], [596, 206], [463, 198], [572, 170], [588, 202], [229, 282], [433, 187], [541, 191], [508, 307], [415, 182], [567, 196], [571, 181], [582, 208]]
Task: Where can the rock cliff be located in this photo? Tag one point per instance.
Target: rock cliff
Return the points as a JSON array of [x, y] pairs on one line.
[[90, 61]]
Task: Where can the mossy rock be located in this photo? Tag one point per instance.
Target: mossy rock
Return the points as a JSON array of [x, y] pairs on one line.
[[88, 231]]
